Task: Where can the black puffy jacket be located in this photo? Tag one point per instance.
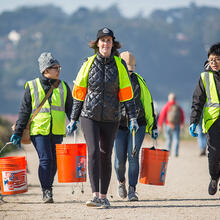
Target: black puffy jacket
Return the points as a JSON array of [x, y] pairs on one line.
[[102, 101]]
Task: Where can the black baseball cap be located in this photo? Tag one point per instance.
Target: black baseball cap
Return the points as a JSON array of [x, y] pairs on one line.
[[105, 32]]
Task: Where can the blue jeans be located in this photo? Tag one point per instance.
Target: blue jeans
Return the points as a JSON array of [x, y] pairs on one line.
[[46, 150], [173, 135], [123, 149]]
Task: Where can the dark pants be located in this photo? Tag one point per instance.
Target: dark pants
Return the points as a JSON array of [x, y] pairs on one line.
[[46, 150], [213, 142], [123, 150], [99, 138]]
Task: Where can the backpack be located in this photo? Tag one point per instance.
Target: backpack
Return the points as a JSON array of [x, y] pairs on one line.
[[173, 114]]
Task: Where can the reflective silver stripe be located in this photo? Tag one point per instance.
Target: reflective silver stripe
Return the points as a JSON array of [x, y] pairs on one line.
[[57, 108], [209, 104], [207, 88], [61, 94], [36, 93], [43, 110], [216, 105]]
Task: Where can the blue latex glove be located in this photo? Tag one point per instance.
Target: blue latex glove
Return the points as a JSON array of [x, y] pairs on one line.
[[71, 127], [16, 140], [154, 134], [133, 125], [192, 129]]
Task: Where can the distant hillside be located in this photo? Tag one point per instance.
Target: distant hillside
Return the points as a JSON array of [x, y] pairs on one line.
[[170, 46]]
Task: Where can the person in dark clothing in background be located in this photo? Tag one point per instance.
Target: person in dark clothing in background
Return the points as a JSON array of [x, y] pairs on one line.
[[206, 98], [101, 84], [123, 142], [48, 127]]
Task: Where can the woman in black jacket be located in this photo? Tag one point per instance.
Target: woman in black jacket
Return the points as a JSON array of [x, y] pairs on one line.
[[101, 84]]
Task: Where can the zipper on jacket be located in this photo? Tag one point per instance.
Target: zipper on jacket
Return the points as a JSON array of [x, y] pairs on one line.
[[103, 94]]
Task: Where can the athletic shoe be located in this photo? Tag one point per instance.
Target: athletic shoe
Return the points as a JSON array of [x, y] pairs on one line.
[[202, 153], [122, 192], [95, 202], [105, 203], [132, 194], [47, 196], [213, 185]]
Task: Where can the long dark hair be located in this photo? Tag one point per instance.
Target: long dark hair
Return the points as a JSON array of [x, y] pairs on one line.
[[116, 45]]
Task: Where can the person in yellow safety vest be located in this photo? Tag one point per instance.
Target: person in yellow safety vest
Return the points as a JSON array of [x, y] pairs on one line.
[[206, 98], [48, 126], [101, 84], [123, 143]]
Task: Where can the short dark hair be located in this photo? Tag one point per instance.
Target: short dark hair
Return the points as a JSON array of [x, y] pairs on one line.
[[214, 49]]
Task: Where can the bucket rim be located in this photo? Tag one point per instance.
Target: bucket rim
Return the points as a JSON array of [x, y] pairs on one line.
[[70, 145], [13, 158]]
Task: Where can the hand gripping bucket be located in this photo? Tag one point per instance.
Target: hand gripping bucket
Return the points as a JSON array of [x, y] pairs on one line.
[[71, 162], [13, 175], [153, 166]]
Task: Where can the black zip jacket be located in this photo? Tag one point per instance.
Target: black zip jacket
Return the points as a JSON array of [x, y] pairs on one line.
[[102, 101], [199, 96], [26, 104], [139, 107]]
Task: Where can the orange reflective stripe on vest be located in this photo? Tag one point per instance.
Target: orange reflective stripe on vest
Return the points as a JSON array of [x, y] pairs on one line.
[[79, 92], [125, 94]]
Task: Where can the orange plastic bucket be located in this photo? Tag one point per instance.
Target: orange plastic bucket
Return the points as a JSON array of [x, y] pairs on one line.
[[153, 166], [71, 162], [13, 175]]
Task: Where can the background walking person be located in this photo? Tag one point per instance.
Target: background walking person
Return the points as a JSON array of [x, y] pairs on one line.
[[123, 142], [48, 126], [101, 84], [173, 116]]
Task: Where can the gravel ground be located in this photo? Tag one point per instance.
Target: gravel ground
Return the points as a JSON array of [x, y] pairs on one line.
[[184, 195]]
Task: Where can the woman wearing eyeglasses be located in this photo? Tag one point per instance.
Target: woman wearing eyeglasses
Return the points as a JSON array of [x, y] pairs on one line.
[[206, 98], [48, 126]]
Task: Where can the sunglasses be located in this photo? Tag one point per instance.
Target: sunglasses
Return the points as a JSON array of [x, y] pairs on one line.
[[58, 68]]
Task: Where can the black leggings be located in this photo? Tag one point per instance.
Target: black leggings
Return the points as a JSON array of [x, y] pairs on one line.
[[99, 138]]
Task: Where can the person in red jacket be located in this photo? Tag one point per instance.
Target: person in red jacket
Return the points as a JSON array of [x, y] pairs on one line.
[[173, 116]]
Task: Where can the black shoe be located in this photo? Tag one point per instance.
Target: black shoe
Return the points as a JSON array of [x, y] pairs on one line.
[[203, 153], [213, 186], [47, 196]]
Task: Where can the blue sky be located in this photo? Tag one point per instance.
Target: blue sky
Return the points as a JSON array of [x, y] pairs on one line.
[[128, 8]]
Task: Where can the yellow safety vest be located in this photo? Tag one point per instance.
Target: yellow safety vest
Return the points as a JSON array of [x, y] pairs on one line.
[[146, 101], [80, 86], [211, 109], [49, 115]]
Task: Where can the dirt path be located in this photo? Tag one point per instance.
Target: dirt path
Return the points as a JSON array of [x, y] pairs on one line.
[[184, 195]]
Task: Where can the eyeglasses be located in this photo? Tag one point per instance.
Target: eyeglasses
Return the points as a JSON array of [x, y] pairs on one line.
[[58, 68], [216, 60]]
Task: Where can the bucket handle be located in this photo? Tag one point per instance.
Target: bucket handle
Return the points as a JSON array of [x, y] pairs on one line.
[[134, 148], [74, 141], [5, 146], [154, 142], [12, 143]]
